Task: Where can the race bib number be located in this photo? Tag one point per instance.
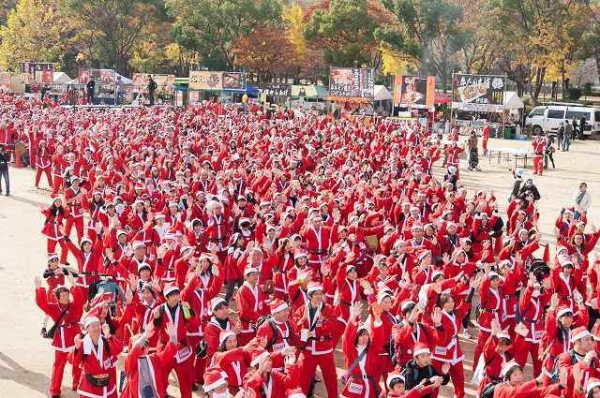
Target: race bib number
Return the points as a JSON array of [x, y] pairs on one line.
[[440, 350], [355, 388], [183, 353], [278, 347]]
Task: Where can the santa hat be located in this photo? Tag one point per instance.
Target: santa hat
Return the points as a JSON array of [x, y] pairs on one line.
[[249, 269], [214, 303], [350, 267], [170, 288], [382, 296], [213, 379], [508, 367], [278, 305], [299, 254], [423, 254], [144, 266], [416, 227], [90, 320], [52, 256], [138, 245], [393, 379], [314, 287], [436, 274], [503, 334], [258, 356], [121, 232], [580, 333], [86, 239], [421, 348], [492, 275], [224, 335], [591, 384], [563, 310]]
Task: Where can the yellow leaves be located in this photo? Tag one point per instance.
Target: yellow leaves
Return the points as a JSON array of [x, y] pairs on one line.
[[33, 32], [293, 17], [394, 63]]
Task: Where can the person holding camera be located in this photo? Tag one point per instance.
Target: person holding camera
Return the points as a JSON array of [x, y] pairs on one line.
[[65, 313]]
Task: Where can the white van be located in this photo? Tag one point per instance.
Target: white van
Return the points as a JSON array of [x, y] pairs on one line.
[[547, 118]]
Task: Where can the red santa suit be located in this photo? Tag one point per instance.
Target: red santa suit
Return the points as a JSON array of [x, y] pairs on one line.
[[42, 165], [137, 364], [97, 360], [361, 380], [252, 303], [318, 350], [63, 340], [449, 351], [317, 244], [74, 198]]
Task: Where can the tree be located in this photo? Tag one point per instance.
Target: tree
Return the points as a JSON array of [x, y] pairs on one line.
[[537, 36], [108, 31], [429, 30], [212, 27], [346, 31], [5, 7], [266, 52], [34, 31]]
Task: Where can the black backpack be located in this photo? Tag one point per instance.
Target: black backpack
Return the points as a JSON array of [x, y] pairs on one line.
[[488, 390]]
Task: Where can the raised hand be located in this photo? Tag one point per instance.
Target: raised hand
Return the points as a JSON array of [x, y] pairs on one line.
[[37, 282]]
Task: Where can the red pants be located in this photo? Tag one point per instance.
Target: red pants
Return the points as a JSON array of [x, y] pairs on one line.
[[457, 375], [522, 349], [57, 185], [38, 176], [482, 338], [484, 143], [184, 374], [58, 368], [64, 251], [199, 363], [538, 164], [78, 222], [327, 365]]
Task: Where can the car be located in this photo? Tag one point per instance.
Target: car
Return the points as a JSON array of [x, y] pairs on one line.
[[547, 118]]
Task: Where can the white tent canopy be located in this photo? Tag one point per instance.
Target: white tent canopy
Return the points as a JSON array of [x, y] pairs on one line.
[[382, 93], [512, 101], [61, 78]]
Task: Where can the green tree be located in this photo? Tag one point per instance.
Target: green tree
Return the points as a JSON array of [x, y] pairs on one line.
[[108, 31], [346, 31], [212, 27], [34, 31], [429, 30]]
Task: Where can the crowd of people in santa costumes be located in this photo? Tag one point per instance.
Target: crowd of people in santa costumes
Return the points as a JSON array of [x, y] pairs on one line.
[[242, 254]]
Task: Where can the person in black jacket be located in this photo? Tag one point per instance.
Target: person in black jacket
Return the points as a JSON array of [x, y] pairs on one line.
[[90, 87], [419, 368], [529, 188], [151, 88], [4, 158]]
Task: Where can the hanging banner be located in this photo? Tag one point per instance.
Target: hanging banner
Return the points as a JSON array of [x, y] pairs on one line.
[[101, 76], [31, 69], [346, 83], [233, 80], [414, 90], [205, 80], [483, 93]]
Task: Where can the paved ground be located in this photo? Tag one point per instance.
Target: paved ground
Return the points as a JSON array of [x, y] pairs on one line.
[[26, 359]]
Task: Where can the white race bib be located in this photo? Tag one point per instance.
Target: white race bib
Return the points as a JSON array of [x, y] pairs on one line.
[[355, 388]]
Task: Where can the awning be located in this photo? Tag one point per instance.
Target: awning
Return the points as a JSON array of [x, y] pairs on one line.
[[382, 93]]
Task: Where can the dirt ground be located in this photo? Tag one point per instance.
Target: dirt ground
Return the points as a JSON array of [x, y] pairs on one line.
[[26, 358]]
